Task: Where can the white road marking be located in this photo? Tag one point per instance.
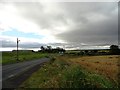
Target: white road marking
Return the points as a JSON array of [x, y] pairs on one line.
[[10, 76]]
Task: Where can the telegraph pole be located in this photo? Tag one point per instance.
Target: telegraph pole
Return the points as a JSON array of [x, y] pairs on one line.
[[17, 49]]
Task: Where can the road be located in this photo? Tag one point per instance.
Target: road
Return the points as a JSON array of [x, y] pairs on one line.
[[12, 70]]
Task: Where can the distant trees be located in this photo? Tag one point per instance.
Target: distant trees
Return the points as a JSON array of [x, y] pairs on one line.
[[42, 48], [49, 49], [114, 49]]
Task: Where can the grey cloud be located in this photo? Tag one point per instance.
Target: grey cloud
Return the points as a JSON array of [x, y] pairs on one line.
[[31, 45], [74, 11], [36, 12], [71, 45], [8, 43], [78, 10], [104, 31], [83, 30]]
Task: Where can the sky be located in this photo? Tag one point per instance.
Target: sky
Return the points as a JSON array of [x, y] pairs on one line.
[[70, 25]]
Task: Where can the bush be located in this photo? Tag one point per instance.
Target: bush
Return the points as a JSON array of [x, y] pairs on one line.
[[52, 59], [114, 49]]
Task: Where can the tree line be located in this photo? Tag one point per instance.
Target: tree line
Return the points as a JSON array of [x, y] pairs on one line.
[[114, 50], [49, 49]]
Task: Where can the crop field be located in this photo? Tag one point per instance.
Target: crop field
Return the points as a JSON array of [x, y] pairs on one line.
[[104, 65], [76, 72]]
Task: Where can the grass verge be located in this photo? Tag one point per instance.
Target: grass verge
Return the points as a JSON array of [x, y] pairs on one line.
[[59, 73], [10, 57]]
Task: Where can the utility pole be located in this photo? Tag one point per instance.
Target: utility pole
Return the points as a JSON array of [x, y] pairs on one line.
[[17, 49]]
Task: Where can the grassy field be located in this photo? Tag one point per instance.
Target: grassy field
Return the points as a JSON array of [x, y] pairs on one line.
[[76, 72], [10, 57]]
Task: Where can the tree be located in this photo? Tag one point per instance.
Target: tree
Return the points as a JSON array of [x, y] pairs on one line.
[[49, 47], [114, 49], [42, 48]]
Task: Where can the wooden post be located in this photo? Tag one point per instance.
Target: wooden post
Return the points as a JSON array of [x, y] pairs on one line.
[[17, 49]]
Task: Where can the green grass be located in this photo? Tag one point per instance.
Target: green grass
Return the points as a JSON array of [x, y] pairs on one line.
[[61, 74], [10, 57]]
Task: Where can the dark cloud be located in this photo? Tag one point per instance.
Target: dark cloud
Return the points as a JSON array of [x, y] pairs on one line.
[[104, 30], [78, 11]]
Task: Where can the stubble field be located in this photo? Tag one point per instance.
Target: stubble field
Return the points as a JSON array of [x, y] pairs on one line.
[[107, 65]]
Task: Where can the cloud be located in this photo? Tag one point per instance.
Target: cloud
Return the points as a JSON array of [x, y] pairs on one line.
[[86, 22], [8, 41], [93, 23], [73, 24], [27, 42], [47, 16]]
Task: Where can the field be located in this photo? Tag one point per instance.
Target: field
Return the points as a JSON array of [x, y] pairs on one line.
[[104, 65], [76, 72], [11, 57]]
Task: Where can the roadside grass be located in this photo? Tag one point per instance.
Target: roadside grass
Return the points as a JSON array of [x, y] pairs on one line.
[[61, 73], [11, 57]]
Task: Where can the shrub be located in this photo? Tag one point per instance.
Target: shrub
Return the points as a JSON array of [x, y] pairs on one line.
[[52, 59]]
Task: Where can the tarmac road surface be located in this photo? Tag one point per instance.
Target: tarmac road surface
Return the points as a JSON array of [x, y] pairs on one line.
[[12, 70]]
